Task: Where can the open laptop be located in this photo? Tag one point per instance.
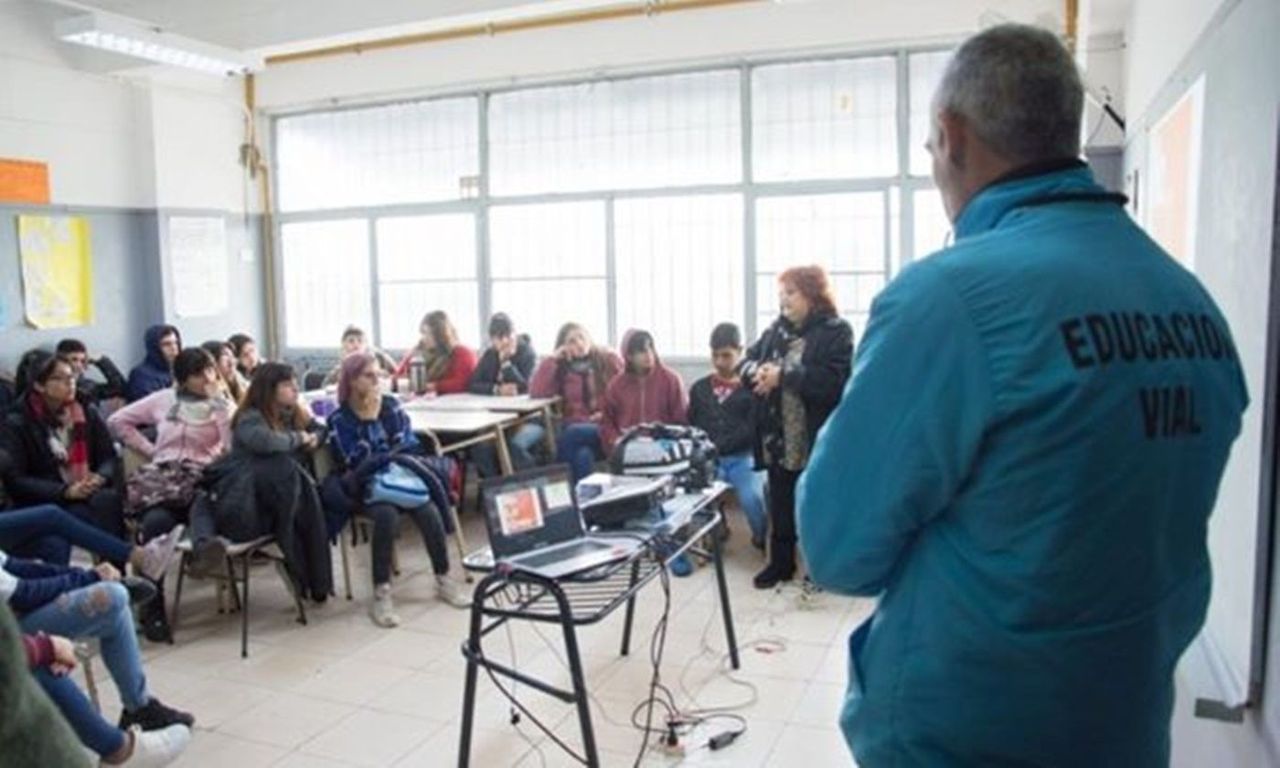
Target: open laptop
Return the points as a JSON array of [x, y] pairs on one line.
[[534, 525]]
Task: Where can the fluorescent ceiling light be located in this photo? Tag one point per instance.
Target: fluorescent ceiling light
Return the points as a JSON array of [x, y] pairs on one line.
[[121, 35]]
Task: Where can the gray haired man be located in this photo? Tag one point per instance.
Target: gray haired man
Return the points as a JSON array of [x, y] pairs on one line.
[[1024, 461]]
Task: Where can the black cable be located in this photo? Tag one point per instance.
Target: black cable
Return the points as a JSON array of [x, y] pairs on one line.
[[656, 646]]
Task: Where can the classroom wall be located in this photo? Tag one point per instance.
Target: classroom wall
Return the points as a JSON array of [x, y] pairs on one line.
[[127, 150], [718, 34], [1235, 50]]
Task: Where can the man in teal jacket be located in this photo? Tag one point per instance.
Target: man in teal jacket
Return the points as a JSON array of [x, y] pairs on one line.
[[1024, 461]]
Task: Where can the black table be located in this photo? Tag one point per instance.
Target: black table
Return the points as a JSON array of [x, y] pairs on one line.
[[582, 600]]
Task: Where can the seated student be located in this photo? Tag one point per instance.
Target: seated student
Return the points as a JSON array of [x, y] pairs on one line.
[[721, 406], [230, 382], [48, 532], [504, 370], [261, 487], [354, 342], [155, 372], [577, 372], [364, 432], [245, 350], [109, 390], [92, 604], [61, 452], [191, 422], [32, 730], [646, 391], [449, 364]]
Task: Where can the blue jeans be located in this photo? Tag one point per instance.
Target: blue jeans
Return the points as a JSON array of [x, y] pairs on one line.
[[748, 485], [97, 611], [579, 447], [520, 443], [47, 533]]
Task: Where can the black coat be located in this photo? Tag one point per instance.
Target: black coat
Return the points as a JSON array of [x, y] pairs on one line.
[[518, 370], [819, 379], [731, 425], [33, 475]]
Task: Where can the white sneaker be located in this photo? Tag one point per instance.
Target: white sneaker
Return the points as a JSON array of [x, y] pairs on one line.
[[152, 749], [452, 592], [383, 611], [157, 554]]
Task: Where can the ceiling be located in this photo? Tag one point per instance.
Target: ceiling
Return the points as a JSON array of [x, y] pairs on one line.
[[279, 26]]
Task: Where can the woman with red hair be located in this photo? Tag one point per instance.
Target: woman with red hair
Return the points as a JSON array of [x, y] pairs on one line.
[[798, 370]]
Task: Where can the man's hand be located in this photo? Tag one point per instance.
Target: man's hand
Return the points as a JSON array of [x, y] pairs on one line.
[[310, 440], [106, 571], [508, 390], [64, 656]]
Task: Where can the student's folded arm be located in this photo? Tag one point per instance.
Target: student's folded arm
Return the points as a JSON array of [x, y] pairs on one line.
[[544, 377], [116, 382], [258, 437], [127, 421], [485, 376], [901, 443]]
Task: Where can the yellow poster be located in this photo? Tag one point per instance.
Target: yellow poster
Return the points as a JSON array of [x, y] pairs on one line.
[[57, 270]]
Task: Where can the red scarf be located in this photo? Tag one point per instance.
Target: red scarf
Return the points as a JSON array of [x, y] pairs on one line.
[[68, 435]]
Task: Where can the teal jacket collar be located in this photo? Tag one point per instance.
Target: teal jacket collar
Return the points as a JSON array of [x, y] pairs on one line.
[[1031, 185]]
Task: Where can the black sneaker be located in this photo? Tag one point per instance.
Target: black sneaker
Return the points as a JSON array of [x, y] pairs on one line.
[[155, 716], [771, 575], [154, 623]]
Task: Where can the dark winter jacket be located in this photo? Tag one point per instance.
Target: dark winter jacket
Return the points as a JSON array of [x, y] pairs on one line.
[[153, 373], [731, 424], [819, 379], [112, 385], [518, 370], [33, 475]]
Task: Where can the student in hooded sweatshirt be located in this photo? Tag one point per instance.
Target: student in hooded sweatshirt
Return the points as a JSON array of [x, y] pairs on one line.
[[155, 372], [645, 391], [504, 371]]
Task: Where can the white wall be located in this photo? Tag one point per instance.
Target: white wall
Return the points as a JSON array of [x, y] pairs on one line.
[[114, 141], [723, 34], [1160, 34], [1104, 70], [1232, 45]]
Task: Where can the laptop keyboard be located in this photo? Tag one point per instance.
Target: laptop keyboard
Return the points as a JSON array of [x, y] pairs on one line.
[[558, 554]]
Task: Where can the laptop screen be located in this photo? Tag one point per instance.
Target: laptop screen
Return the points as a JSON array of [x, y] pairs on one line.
[[530, 510]]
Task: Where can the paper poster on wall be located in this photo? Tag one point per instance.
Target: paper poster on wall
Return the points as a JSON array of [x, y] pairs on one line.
[[198, 265], [24, 181], [1173, 178], [57, 271]]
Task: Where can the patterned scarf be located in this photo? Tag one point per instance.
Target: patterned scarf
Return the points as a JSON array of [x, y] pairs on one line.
[[68, 436]]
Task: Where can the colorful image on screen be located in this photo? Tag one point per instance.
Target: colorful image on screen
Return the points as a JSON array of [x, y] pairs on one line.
[[519, 511], [557, 495]]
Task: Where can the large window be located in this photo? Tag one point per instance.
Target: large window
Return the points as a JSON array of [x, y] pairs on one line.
[[843, 233], [427, 263], [326, 280], [679, 268], [666, 202], [548, 267], [399, 153], [825, 120], [645, 132]]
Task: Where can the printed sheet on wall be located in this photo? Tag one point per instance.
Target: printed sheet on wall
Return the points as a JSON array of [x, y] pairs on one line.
[[57, 271], [198, 262]]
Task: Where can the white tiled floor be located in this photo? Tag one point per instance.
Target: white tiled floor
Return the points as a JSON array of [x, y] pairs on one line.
[[341, 692]]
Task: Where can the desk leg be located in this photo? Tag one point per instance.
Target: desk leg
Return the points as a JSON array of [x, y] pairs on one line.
[[504, 455], [631, 608], [717, 549], [469, 691], [549, 436], [580, 692]]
